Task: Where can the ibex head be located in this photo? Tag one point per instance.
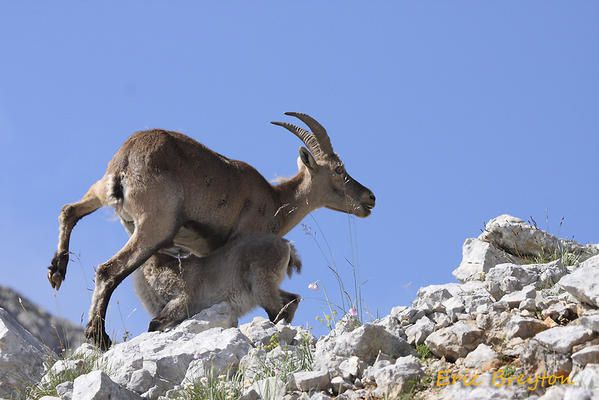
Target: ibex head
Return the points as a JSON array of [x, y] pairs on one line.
[[335, 188]]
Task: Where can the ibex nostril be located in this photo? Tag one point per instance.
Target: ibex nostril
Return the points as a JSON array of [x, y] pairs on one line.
[[372, 197]]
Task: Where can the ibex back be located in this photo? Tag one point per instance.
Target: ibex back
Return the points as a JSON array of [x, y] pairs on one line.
[[172, 192]]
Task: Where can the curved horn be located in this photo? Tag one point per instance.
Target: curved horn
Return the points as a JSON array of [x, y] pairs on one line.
[[318, 130], [308, 138]]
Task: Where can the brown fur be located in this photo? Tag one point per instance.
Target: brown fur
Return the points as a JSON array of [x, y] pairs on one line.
[[176, 195]]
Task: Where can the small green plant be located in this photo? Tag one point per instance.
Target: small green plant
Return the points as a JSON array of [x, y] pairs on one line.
[[414, 386], [222, 387], [329, 320], [423, 351], [81, 365], [508, 370], [292, 359], [273, 343]]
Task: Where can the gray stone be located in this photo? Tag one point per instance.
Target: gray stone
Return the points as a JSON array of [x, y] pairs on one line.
[[98, 386], [393, 380], [365, 342], [185, 352], [351, 368], [588, 378], [259, 330], [524, 327], [251, 395], [339, 385], [455, 341], [65, 390], [588, 355], [514, 299], [528, 305], [522, 239], [418, 332], [561, 339], [453, 307], [482, 358], [562, 392], [508, 278], [478, 257], [583, 283], [269, 388], [310, 381], [441, 320], [320, 396], [431, 298]]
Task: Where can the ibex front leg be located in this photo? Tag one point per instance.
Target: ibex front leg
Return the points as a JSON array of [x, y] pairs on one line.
[[149, 236], [69, 215]]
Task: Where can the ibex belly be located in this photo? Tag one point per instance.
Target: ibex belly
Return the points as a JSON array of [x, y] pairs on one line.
[[199, 239], [191, 241]]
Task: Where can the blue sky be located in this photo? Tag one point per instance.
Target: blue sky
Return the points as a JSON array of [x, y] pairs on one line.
[[451, 112]]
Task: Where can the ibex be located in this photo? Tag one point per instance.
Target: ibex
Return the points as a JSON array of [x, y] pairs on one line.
[[244, 273], [171, 191]]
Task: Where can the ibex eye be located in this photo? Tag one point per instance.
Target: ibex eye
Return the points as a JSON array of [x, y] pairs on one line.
[[339, 170]]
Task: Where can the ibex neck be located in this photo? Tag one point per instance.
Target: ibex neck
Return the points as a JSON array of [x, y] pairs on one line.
[[296, 201]]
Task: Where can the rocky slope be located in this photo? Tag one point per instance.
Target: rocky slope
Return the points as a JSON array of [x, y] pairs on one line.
[[522, 322], [56, 333]]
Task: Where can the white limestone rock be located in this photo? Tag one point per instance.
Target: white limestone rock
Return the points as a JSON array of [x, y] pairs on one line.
[[455, 341], [478, 257], [259, 331], [483, 358], [393, 380], [583, 283], [524, 327], [189, 350], [311, 381], [365, 342], [418, 332], [98, 386]]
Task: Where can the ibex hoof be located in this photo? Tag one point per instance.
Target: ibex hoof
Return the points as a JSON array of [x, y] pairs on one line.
[[98, 337], [57, 270]]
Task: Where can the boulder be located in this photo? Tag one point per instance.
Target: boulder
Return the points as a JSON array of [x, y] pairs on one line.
[[561, 339], [418, 332], [98, 386], [365, 342], [154, 362], [513, 300], [524, 327], [455, 341], [482, 358], [311, 381], [259, 331], [478, 257], [587, 355], [508, 278], [583, 283], [393, 380]]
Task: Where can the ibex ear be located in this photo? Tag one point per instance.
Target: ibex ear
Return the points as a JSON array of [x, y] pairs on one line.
[[307, 159]]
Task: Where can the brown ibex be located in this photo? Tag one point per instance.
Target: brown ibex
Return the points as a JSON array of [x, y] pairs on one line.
[[169, 190], [244, 273]]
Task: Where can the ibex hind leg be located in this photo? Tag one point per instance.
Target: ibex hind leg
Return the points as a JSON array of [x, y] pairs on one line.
[[155, 227], [69, 215]]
